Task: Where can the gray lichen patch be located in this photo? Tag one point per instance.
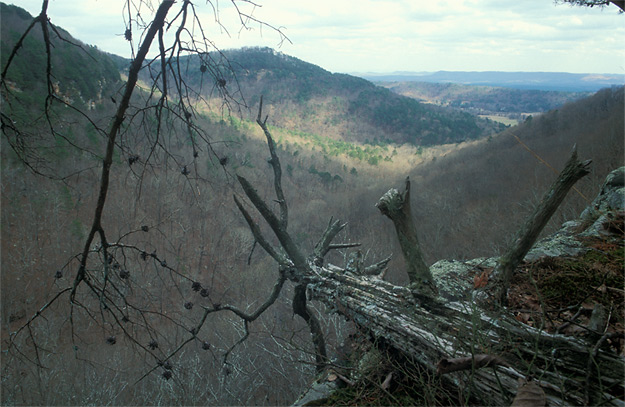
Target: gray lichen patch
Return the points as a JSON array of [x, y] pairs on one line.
[[452, 278]]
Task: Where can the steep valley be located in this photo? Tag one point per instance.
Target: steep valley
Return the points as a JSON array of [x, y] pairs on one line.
[[171, 218]]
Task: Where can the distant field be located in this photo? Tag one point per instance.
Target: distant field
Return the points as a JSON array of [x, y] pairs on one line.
[[500, 119]]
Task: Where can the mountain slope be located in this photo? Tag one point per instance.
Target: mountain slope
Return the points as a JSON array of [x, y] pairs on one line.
[[307, 98], [481, 193], [79, 75]]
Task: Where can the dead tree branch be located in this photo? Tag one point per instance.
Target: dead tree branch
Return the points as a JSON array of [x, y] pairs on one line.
[[396, 206], [258, 236], [301, 308], [277, 168], [281, 233], [430, 332], [528, 233], [294, 260], [324, 245]]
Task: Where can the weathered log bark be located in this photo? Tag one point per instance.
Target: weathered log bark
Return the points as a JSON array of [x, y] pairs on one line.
[[396, 206], [429, 331]]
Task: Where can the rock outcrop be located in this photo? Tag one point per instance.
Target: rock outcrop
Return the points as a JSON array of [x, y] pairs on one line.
[[601, 219]]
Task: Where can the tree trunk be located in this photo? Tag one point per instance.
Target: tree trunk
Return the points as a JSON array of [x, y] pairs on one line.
[[429, 331], [396, 206], [526, 236]]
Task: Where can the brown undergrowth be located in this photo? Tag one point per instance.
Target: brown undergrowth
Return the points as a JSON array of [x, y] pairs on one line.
[[580, 296]]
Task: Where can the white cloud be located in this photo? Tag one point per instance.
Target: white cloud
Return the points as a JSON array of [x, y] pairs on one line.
[[385, 35]]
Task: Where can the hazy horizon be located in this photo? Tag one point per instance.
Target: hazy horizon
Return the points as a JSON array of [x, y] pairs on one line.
[[389, 36]]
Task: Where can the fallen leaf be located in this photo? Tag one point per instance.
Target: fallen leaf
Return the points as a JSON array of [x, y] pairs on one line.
[[387, 382], [529, 395], [480, 281], [477, 361]]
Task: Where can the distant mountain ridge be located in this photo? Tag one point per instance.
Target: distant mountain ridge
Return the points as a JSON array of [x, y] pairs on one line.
[[307, 98], [558, 81]]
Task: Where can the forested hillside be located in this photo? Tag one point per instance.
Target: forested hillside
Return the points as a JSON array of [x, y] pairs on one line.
[[81, 72], [177, 244], [509, 102], [303, 97]]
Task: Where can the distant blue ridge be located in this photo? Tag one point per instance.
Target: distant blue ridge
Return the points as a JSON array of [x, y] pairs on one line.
[[556, 81]]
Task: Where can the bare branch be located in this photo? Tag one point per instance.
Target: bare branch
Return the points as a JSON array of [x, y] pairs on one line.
[[275, 164], [259, 236], [396, 206], [133, 75], [275, 293], [526, 236], [276, 225], [323, 246], [247, 318]]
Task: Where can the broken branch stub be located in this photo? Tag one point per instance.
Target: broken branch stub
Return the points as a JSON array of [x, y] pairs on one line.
[[526, 236], [324, 245], [396, 206]]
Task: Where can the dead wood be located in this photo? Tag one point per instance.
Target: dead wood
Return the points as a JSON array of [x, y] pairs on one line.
[[429, 331], [396, 206], [301, 308], [529, 395], [526, 236], [467, 363]]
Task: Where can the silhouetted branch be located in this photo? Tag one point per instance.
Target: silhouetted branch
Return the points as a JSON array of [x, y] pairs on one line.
[[133, 74], [275, 293]]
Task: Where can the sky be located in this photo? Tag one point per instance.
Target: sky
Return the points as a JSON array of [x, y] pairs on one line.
[[366, 36]]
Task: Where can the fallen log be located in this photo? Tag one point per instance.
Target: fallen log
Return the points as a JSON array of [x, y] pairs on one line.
[[431, 331]]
